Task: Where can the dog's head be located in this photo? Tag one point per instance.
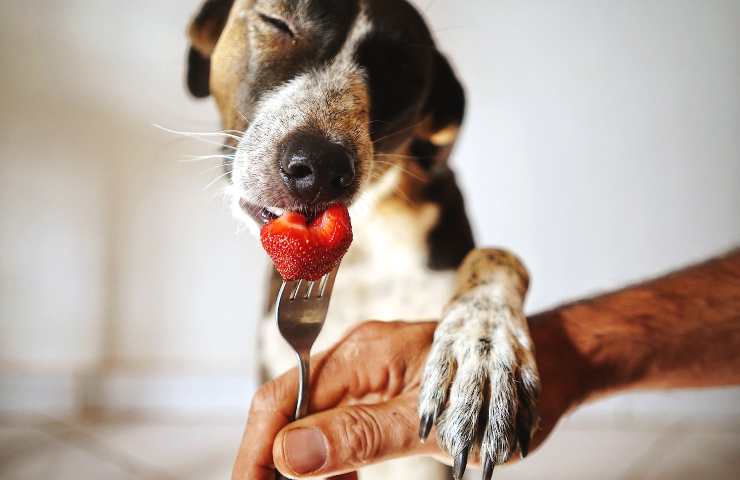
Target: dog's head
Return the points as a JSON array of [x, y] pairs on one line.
[[322, 96]]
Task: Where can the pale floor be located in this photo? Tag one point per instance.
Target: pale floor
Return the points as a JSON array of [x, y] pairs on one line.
[[203, 449]]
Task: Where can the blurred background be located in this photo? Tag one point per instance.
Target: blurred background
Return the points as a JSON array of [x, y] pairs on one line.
[[602, 144]]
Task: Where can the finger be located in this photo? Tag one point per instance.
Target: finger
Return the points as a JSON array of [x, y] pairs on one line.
[[271, 410], [337, 377], [273, 407], [349, 437], [398, 350]]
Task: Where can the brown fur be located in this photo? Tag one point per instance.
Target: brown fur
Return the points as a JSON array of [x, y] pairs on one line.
[[481, 266]]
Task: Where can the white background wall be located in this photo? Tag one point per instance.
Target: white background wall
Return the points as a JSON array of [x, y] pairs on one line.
[[602, 144]]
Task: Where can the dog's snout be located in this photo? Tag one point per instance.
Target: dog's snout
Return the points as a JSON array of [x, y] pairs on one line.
[[315, 169]]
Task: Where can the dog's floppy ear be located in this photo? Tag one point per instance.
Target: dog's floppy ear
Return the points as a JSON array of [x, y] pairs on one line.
[[204, 31], [450, 240], [444, 110], [445, 104]]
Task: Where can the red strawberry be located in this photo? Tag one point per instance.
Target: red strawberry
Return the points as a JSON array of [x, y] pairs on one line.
[[307, 251]]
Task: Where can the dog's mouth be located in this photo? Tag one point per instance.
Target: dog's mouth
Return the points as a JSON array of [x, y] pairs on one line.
[[261, 215], [264, 215]]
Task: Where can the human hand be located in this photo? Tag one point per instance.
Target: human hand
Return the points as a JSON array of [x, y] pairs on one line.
[[364, 407]]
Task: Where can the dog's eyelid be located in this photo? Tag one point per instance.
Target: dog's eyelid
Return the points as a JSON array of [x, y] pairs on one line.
[[276, 22]]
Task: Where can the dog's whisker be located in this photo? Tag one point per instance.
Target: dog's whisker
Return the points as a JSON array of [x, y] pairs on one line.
[[398, 132], [199, 158], [214, 167], [239, 133], [212, 182], [209, 142], [402, 168], [221, 133], [403, 195], [394, 155], [197, 136]]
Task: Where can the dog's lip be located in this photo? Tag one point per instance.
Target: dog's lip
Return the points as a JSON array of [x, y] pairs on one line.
[[261, 215], [264, 215]]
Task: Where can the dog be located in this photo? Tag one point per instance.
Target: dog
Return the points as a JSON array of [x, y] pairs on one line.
[[350, 101]]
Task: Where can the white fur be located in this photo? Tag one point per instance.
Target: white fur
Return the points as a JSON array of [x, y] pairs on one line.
[[481, 349]]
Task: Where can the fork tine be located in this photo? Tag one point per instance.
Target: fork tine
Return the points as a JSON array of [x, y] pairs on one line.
[[309, 290], [322, 284], [327, 282], [304, 290], [294, 291], [283, 293]]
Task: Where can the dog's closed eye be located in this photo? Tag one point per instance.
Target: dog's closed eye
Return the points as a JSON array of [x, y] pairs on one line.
[[277, 23]]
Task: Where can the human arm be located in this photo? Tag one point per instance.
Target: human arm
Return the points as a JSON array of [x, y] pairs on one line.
[[680, 330]]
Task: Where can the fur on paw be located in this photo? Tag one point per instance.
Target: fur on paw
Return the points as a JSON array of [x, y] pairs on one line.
[[480, 383]]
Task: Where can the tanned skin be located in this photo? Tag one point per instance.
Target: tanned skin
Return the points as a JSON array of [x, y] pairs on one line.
[[681, 330], [678, 331]]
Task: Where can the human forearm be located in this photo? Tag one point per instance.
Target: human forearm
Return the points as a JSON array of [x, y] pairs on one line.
[[681, 330]]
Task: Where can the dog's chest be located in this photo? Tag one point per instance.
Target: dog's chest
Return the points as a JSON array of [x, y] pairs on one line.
[[382, 277]]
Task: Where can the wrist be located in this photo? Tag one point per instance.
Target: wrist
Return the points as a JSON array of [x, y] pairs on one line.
[[564, 376], [580, 352]]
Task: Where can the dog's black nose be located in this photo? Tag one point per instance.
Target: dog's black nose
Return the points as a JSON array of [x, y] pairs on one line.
[[315, 169]]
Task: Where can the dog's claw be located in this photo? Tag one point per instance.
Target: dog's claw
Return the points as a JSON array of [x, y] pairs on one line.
[[523, 442], [524, 420], [425, 426], [488, 468], [461, 462]]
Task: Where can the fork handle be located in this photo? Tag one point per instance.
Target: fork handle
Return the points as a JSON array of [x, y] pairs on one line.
[[301, 408], [304, 363]]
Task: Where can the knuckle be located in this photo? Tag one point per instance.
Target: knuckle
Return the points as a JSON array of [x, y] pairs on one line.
[[363, 433], [359, 342], [366, 329]]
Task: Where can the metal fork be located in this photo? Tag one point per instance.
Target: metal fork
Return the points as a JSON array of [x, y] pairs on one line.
[[300, 310]]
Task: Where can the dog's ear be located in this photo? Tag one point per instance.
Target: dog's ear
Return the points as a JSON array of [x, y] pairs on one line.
[[204, 31], [445, 103], [451, 238], [444, 110]]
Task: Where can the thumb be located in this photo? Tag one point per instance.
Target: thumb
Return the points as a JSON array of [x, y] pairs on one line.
[[346, 438]]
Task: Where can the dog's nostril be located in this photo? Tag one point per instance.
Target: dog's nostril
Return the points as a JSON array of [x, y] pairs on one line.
[[298, 170], [344, 181]]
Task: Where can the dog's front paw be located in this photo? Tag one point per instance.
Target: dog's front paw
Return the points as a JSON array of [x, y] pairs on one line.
[[480, 383]]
